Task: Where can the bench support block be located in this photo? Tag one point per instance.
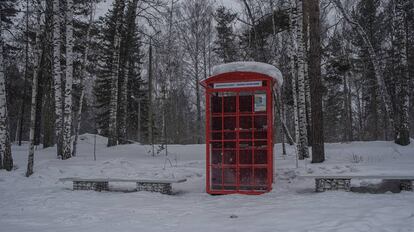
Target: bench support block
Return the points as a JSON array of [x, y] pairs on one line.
[[406, 185], [86, 185], [323, 185], [164, 188]]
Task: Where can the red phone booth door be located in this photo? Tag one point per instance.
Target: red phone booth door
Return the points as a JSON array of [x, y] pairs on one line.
[[240, 141]]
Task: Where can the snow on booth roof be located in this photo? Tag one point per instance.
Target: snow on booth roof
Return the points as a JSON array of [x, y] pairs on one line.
[[256, 67]]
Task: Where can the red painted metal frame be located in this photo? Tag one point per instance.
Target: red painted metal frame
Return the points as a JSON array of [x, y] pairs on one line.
[[240, 77]]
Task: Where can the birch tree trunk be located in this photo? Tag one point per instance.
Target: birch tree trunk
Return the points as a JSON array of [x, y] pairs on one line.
[[82, 77], [348, 98], [67, 107], [347, 109], [198, 101], [150, 108], [197, 81], [303, 133], [113, 105], [292, 48], [6, 159], [36, 63], [400, 43], [57, 77], [305, 9]]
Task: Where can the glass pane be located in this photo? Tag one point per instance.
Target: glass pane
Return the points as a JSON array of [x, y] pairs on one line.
[[229, 104], [262, 134], [216, 123], [246, 135], [229, 123], [229, 176], [245, 156], [216, 136], [216, 178], [229, 144], [216, 157], [216, 104], [229, 135], [245, 144], [260, 156], [229, 157], [260, 122], [246, 176], [246, 102], [260, 144], [216, 145], [245, 122], [260, 176]]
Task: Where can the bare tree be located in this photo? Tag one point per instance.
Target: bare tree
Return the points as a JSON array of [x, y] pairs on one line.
[[195, 18], [318, 150], [6, 160], [375, 60], [36, 62], [57, 77], [67, 106], [402, 136], [113, 108], [82, 77]]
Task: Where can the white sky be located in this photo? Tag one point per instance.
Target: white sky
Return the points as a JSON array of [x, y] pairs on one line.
[[103, 7]]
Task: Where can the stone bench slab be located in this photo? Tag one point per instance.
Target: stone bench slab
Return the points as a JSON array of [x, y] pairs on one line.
[[342, 182], [164, 181], [101, 184], [385, 177]]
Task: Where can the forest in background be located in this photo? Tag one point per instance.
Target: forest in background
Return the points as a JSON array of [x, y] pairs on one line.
[[133, 74]]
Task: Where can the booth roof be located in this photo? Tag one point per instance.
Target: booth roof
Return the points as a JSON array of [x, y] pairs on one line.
[[256, 67]]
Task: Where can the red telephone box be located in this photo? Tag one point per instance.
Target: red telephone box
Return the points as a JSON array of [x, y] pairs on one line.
[[239, 127]]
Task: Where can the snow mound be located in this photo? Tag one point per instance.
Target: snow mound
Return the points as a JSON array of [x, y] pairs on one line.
[[256, 67]]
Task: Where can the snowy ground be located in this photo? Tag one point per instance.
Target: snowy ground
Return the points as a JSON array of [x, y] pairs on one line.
[[42, 203]]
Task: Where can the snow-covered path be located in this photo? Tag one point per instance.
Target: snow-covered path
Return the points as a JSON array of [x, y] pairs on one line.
[[42, 203]]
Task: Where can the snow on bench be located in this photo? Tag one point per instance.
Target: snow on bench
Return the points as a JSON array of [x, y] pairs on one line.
[[101, 184], [342, 182]]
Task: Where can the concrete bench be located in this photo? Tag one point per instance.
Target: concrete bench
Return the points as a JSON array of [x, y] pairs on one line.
[[101, 184], [339, 182]]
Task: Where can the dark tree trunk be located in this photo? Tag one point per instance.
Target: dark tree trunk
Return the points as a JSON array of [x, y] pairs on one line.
[[47, 106], [39, 103], [318, 150], [48, 116]]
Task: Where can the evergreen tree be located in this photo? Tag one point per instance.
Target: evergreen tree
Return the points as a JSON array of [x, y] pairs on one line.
[[368, 17], [334, 107], [131, 103], [104, 82], [225, 43]]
